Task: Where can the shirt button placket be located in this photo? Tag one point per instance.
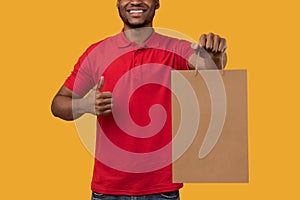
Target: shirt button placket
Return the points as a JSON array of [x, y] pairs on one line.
[[135, 60]]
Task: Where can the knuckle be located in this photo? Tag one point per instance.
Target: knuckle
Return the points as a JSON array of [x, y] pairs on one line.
[[203, 38], [223, 41], [98, 95], [217, 38], [210, 34], [98, 102]]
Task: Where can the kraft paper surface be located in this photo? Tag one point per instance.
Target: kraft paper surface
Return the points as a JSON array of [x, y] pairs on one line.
[[210, 138]]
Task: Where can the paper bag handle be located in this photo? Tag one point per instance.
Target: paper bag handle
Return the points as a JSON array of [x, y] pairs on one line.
[[197, 64]]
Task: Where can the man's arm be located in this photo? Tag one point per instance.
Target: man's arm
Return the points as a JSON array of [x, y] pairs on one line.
[[69, 106], [210, 53]]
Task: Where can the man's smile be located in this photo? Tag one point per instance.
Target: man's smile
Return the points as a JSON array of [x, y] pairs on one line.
[[135, 12]]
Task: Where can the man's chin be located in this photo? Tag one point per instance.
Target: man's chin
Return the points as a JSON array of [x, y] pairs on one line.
[[137, 25]]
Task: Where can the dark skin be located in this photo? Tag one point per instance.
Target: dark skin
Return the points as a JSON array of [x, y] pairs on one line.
[[137, 16]]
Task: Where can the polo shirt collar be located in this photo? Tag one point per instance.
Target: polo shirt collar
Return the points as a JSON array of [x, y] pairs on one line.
[[151, 42]]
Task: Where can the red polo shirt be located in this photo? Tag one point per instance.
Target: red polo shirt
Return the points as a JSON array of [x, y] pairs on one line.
[[133, 146]]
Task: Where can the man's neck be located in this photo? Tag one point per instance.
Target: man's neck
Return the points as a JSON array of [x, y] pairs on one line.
[[138, 35]]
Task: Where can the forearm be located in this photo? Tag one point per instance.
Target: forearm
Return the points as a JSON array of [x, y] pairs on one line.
[[67, 108]]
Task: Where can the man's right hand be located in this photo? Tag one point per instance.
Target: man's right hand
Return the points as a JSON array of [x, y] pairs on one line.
[[70, 106], [99, 103]]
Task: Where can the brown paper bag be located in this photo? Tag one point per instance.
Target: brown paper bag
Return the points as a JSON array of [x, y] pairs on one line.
[[209, 113]]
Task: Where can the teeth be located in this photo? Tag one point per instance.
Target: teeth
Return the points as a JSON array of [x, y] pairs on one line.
[[136, 11]]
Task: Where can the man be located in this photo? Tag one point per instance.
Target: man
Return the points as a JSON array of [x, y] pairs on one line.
[[133, 155]]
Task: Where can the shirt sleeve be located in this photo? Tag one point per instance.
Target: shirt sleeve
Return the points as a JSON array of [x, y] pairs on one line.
[[81, 81], [185, 51]]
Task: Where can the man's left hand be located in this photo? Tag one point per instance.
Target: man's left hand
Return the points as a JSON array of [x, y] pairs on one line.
[[210, 53]]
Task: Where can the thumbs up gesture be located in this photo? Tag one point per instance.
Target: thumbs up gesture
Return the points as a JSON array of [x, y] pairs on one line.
[[99, 103]]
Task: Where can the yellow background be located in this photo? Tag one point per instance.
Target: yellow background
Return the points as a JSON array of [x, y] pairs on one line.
[[43, 158]]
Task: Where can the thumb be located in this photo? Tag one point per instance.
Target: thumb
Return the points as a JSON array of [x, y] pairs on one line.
[[100, 84], [198, 49], [195, 46]]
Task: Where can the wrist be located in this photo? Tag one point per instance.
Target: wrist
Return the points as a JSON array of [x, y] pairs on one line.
[[79, 106]]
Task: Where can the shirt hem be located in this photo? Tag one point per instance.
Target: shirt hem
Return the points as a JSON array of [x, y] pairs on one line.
[[138, 193]]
